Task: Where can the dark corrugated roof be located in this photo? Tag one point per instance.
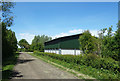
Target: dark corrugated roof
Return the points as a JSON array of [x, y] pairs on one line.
[[65, 37]]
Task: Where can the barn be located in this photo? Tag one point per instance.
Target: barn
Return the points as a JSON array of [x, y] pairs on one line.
[[64, 45]]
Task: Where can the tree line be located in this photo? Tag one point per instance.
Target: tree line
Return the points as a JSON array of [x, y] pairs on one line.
[[37, 43], [107, 44]]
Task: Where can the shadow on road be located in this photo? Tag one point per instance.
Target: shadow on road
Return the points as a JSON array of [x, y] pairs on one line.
[[16, 74], [11, 74], [24, 61]]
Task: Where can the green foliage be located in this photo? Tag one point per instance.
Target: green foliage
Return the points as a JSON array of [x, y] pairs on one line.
[[23, 44], [41, 39], [110, 46], [9, 42], [106, 45], [86, 42], [8, 65], [117, 42], [91, 64], [25, 47], [38, 43], [23, 50], [37, 46], [92, 60], [7, 14]]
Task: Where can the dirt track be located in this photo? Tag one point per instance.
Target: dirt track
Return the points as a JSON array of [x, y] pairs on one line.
[[29, 67]]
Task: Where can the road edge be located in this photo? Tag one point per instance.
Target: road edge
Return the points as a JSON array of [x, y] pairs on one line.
[[75, 73]]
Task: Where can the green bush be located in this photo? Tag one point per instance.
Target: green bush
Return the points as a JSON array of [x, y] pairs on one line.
[[88, 60]]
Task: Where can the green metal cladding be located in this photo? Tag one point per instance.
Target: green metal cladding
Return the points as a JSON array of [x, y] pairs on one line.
[[68, 42]]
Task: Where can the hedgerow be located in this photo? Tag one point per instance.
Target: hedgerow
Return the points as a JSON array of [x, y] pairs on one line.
[[88, 60]]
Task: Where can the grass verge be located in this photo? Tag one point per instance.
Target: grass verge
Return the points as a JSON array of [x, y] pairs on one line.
[[8, 65]]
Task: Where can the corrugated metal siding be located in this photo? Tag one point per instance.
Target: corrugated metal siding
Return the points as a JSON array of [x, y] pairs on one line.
[[52, 46], [69, 42]]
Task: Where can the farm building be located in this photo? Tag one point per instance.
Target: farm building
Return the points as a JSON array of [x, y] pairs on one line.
[[64, 45]]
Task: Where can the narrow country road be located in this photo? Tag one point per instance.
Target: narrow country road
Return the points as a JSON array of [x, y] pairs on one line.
[[29, 67]]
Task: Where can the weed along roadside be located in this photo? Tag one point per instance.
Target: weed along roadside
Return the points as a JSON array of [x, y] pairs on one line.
[[81, 66]]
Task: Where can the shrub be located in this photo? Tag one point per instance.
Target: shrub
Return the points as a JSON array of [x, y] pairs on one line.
[[88, 60]]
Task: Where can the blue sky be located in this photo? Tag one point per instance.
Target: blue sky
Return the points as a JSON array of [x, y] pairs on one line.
[[62, 18]]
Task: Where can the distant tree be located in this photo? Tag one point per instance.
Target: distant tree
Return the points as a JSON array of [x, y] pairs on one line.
[[38, 42], [37, 46], [86, 42], [23, 44], [41, 39]]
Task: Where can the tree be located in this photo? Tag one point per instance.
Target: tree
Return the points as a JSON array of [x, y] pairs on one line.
[[23, 44], [37, 46], [7, 14], [99, 41], [9, 41], [42, 39], [117, 43], [86, 42], [38, 42], [109, 43]]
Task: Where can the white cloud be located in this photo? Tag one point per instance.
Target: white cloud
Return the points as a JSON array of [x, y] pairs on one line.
[[94, 32], [75, 31], [60, 35], [29, 37]]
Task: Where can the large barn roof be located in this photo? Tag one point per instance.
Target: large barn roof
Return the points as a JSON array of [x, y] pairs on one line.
[[62, 39]]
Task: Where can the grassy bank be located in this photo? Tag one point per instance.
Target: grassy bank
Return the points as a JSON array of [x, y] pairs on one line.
[[87, 70], [8, 65]]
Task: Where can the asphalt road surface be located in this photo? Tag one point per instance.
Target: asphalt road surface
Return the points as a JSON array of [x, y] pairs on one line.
[[29, 67]]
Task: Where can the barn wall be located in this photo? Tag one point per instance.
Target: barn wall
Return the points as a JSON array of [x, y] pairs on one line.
[[64, 51], [52, 51], [70, 44], [64, 44]]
